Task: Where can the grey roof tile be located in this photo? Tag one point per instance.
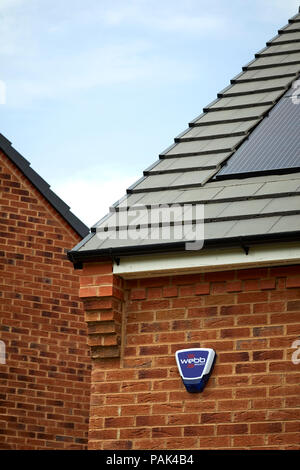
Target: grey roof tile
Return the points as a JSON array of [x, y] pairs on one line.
[[288, 223], [282, 204], [225, 129], [290, 27], [224, 145], [244, 208], [198, 194], [238, 190], [269, 72], [274, 60], [287, 37], [259, 85], [255, 226], [198, 161], [174, 179], [283, 186], [239, 114], [281, 48], [157, 181], [247, 100], [217, 230], [193, 177], [159, 197]]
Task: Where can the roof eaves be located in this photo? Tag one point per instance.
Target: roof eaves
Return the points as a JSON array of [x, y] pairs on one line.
[[117, 252]]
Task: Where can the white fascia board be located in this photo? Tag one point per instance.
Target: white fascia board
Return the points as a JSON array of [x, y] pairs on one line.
[[208, 260]]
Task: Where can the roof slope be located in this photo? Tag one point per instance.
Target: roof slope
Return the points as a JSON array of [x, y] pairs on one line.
[[24, 166], [264, 206]]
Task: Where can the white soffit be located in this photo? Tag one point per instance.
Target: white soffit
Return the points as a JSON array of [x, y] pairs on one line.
[[207, 260]]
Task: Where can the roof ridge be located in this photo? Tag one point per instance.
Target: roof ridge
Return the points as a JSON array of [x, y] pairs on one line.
[[42, 186]]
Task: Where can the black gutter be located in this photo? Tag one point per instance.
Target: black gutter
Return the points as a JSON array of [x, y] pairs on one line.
[[42, 186], [78, 257]]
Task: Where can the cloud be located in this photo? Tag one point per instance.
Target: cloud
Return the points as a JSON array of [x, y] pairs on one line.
[[90, 197], [101, 66], [164, 19]]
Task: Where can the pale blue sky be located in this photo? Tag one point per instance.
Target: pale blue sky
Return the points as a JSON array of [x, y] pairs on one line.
[[96, 89]]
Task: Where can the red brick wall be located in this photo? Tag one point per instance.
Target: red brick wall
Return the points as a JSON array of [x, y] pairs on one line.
[[250, 317], [45, 383]]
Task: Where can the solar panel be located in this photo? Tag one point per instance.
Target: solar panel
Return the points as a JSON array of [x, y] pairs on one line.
[[274, 145]]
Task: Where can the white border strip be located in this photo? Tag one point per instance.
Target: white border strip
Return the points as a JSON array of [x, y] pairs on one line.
[[208, 260]]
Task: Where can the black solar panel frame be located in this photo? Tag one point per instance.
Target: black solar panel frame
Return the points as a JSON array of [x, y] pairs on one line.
[[283, 122]]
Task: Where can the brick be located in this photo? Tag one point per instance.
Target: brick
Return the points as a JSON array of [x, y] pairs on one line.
[[205, 430], [97, 268], [250, 368], [293, 282], [229, 405], [181, 443], [248, 441], [234, 357], [268, 331], [265, 428], [284, 318], [154, 293], [138, 294], [269, 307], [154, 304], [249, 416], [117, 445], [170, 291], [182, 419], [220, 299], [293, 305], [212, 442], [267, 355], [155, 444], [288, 390], [234, 286], [251, 392], [251, 343], [284, 415], [232, 429], [283, 271], [251, 285], [235, 332], [88, 292], [235, 310], [266, 284], [186, 291], [255, 273], [135, 433], [153, 350], [202, 289], [284, 438], [124, 421], [252, 297], [218, 288], [154, 420], [166, 431], [215, 418]]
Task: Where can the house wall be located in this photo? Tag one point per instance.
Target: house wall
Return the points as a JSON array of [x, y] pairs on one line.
[[45, 381], [250, 317]]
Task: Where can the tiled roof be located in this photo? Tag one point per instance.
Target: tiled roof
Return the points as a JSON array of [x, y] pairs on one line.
[[24, 166], [261, 206]]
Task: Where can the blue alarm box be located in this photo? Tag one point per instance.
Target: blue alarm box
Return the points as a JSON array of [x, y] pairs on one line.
[[195, 366]]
